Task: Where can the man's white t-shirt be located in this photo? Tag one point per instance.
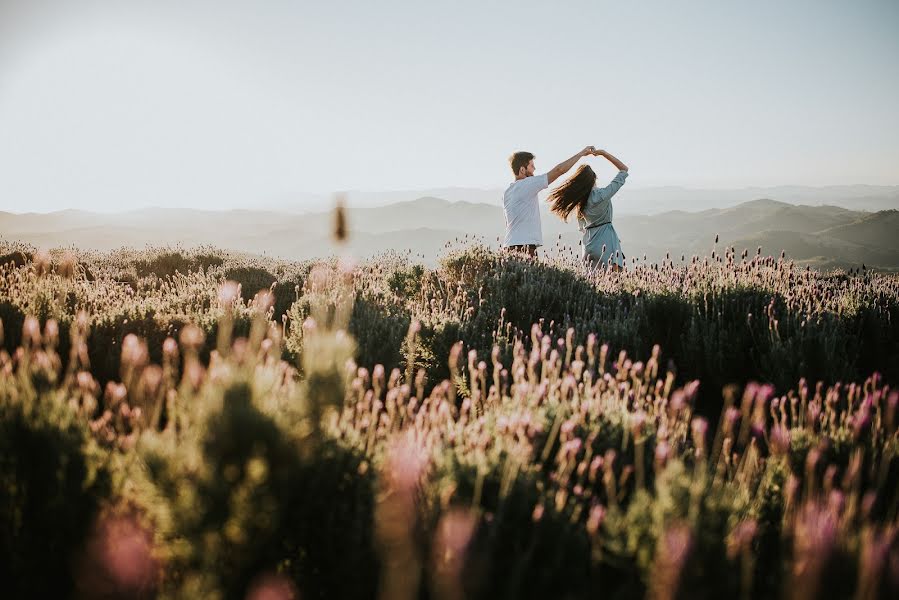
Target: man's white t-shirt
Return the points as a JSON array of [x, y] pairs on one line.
[[522, 211]]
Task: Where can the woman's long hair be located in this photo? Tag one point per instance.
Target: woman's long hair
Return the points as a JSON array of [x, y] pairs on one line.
[[573, 194]]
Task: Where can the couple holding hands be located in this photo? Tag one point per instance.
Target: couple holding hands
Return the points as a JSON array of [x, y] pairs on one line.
[[579, 194]]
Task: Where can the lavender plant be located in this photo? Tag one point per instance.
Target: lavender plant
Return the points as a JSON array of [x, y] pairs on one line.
[[494, 427]]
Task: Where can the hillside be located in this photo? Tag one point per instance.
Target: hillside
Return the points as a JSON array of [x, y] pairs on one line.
[[825, 235]]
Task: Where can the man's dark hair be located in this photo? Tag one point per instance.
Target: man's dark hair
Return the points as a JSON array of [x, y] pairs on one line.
[[520, 159]]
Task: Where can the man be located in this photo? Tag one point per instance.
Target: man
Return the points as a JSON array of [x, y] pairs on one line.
[[523, 231]]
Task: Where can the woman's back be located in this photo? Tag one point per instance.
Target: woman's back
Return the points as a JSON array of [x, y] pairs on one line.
[[595, 220]]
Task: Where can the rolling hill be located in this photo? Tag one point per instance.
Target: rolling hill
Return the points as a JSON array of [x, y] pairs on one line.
[[822, 236]]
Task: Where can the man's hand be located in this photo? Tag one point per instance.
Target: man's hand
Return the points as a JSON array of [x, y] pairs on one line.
[[562, 168], [598, 152]]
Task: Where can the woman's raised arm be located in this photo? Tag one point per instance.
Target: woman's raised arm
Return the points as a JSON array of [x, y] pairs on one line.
[[618, 164]]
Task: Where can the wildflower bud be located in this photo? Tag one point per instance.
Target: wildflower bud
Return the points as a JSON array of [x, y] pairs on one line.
[[699, 426], [82, 322], [134, 352], [31, 333], [170, 349], [594, 521], [494, 355], [239, 350], [537, 514], [836, 502], [780, 440], [691, 390], [672, 550], [309, 326], [421, 377], [571, 449], [892, 404], [41, 263], [192, 337], [86, 383], [869, 500], [193, 375], [661, 454], [68, 265], [115, 394], [272, 586], [791, 491], [741, 538], [731, 416], [466, 406], [118, 559], [51, 333], [340, 219], [151, 378], [378, 375], [472, 357], [394, 379], [406, 461], [263, 301], [454, 533], [811, 461], [454, 355], [561, 499], [638, 420], [814, 412], [861, 424], [229, 292]]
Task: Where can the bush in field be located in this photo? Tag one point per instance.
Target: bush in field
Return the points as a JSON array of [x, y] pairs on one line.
[[252, 487], [172, 263], [245, 501], [53, 480], [251, 279], [154, 311], [722, 322], [15, 259]]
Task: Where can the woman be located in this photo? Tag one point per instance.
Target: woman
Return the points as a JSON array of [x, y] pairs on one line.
[[593, 208]]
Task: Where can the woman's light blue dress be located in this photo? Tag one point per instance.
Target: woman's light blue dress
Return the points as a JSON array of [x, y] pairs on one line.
[[601, 244]]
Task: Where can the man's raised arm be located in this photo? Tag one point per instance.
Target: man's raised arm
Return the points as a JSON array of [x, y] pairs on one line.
[[563, 167]]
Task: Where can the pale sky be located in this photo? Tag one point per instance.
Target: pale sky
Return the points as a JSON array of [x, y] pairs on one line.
[[117, 104]]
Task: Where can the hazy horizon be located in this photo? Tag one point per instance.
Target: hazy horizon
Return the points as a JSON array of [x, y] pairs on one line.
[[112, 106], [634, 200]]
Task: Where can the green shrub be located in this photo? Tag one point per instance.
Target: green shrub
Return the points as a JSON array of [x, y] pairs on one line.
[[53, 484]]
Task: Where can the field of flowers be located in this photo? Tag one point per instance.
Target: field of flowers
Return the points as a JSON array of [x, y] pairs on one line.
[[199, 424]]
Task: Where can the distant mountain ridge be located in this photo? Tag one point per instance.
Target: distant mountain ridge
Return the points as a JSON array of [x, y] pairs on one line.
[[822, 235], [637, 199]]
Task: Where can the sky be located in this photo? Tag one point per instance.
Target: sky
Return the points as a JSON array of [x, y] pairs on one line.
[[113, 105]]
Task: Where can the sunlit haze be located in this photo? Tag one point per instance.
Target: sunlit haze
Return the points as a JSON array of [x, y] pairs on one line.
[[113, 105]]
